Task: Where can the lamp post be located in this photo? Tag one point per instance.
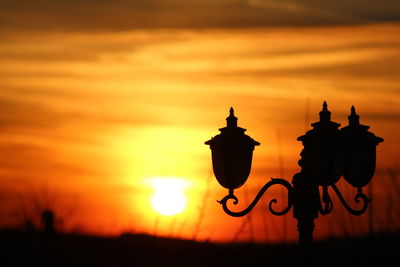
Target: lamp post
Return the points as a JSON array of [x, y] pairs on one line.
[[328, 154]]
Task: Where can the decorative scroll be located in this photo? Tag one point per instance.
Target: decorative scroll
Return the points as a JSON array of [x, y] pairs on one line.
[[359, 195], [274, 181], [328, 204]]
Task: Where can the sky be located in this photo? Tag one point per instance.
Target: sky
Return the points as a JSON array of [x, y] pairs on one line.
[[94, 15], [98, 99]]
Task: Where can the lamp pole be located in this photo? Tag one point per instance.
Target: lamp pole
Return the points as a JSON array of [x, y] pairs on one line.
[[328, 154]]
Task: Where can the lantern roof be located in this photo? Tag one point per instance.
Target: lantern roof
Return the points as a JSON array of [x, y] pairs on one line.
[[323, 125], [231, 129], [325, 118], [231, 123], [357, 130]]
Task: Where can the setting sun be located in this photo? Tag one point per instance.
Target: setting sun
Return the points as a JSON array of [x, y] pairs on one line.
[[168, 198], [103, 117]]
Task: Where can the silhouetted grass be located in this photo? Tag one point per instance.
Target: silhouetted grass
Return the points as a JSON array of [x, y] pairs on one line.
[[35, 249]]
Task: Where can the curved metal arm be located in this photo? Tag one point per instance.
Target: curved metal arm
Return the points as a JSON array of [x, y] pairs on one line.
[[273, 181], [328, 204], [359, 195]]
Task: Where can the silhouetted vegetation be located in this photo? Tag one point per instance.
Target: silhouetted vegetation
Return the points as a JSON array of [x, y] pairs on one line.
[[36, 249]]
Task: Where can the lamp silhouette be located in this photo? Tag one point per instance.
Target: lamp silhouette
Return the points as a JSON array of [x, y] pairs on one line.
[[328, 154]]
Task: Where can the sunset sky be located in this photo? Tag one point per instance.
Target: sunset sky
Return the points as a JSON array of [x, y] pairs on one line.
[[100, 99]]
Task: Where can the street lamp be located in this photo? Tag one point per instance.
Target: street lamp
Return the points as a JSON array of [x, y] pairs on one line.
[[328, 154]]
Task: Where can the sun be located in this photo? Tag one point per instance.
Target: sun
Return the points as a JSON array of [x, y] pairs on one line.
[[168, 198]]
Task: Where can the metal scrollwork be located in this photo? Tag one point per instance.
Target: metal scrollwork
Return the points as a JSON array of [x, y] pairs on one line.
[[328, 204], [359, 195], [274, 181]]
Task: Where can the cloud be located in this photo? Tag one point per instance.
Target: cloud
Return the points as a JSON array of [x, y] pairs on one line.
[[282, 5], [26, 160], [26, 115], [378, 116], [297, 7], [91, 15]]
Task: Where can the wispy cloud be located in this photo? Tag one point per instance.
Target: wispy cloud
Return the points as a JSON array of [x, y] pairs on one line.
[[311, 8], [91, 15], [282, 5]]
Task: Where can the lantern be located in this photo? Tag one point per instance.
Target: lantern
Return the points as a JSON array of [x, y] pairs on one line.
[[360, 151], [321, 157], [232, 153]]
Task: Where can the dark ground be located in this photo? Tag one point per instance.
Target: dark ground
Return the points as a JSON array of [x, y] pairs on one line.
[[35, 249]]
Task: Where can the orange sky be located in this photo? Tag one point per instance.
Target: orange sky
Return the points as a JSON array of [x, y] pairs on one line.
[[87, 118]]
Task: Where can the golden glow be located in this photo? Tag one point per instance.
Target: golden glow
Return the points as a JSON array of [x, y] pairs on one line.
[[91, 115], [168, 197]]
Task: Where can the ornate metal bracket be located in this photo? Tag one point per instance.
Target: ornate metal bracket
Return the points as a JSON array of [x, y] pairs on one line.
[[327, 207], [274, 181], [360, 194], [328, 204]]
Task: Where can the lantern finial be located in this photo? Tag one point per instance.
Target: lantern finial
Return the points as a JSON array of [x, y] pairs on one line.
[[324, 106], [231, 121], [325, 114], [354, 119]]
